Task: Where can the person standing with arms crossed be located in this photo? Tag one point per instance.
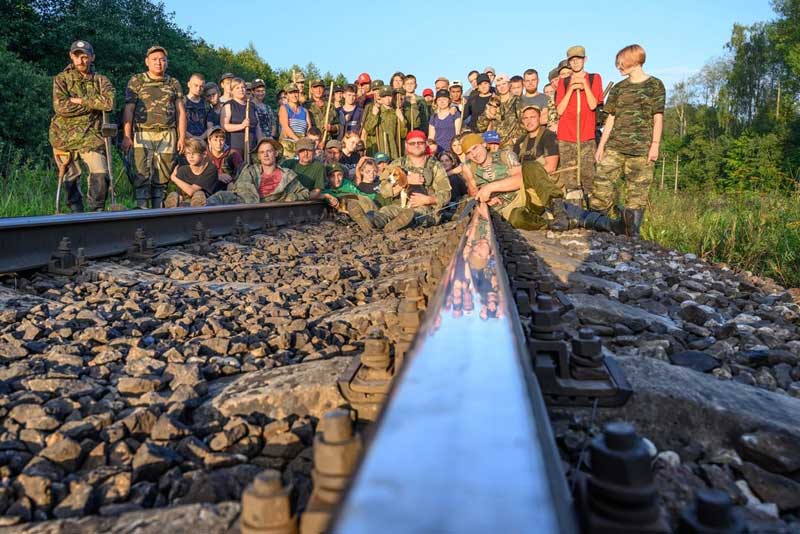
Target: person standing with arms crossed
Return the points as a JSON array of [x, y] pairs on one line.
[[80, 96]]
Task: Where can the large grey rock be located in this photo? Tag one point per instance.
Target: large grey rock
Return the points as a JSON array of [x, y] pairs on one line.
[[303, 389], [192, 519], [775, 451], [597, 309], [670, 403], [783, 491]]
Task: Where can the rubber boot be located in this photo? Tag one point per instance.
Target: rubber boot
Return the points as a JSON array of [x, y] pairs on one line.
[[633, 221], [560, 220], [157, 196], [98, 190], [360, 217], [595, 220], [379, 220], [400, 221], [142, 195], [74, 197]]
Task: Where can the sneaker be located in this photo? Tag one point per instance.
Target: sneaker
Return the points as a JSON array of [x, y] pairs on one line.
[[403, 219], [358, 214], [172, 200]]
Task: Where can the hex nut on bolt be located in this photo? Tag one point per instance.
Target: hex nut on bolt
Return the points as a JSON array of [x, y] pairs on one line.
[[267, 507]]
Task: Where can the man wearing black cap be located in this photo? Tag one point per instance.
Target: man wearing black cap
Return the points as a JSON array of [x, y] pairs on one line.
[[317, 107], [155, 126], [478, 99], [225, 85], [80, 96]]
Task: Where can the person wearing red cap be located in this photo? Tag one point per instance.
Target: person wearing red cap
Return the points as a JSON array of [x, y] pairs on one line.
[[418, 203], [363, 96]]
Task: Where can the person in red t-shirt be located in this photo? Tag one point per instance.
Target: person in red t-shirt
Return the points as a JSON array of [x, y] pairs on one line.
[[585, 92]]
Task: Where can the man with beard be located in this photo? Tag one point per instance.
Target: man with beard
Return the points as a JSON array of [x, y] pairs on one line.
[[427, 180], [80, 96]]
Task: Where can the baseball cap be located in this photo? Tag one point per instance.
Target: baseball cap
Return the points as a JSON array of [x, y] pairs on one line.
[[427, 92], [317, 83], [215, 129], [442, 93], [563, 64], [82, 46], [490, 136], [416, 134], [501, 78], [258, 82], [553, 74], [363, 78], [291, 88], [530, 106], [333, 167], [576, 51], [304, 143], [488, 69], [298, 77], [338, 89], [483, 78], [456, 83], [376, 84], [380, 157], [333, 143], [386, 91], [156, 48], [226, 76]]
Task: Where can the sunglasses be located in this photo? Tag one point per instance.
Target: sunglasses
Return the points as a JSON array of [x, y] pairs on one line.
[[412, 143]]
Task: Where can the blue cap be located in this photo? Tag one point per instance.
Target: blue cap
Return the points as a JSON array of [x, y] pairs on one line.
[[380, 157], [491, 136]]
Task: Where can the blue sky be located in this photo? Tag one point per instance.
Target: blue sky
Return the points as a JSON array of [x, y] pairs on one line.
[[381, 37]]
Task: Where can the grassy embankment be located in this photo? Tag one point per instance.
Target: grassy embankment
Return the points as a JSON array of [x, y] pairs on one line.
[[749, 231]]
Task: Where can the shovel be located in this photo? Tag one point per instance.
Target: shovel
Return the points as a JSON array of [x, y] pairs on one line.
[[109, 130]]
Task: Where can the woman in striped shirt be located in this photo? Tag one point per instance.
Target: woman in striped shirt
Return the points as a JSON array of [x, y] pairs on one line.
[[294, 118]]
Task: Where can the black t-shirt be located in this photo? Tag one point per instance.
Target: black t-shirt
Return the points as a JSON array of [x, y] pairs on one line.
[[206, 179], [528, 150], [475, 106], [196, 113], [372, 187]]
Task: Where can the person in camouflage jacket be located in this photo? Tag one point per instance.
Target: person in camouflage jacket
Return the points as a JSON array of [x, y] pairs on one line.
[[381, 124], [80, 96], [505, 119]]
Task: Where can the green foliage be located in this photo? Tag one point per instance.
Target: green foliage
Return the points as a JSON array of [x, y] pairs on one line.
[[27, 125], [755, 232]]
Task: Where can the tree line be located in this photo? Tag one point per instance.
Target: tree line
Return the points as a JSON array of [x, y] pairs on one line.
[[735, 125], [34, 46]]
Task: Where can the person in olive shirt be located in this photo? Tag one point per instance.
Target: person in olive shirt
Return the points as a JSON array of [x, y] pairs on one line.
[[631, 138], [310, 172]]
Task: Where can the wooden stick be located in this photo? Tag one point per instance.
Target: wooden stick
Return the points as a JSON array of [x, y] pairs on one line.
[[247, 131], [578, 135], [677, 162], [663, 170], [327, 115]]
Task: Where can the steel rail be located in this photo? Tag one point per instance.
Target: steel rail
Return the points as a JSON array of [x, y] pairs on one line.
[[463, 443], [28, 242]]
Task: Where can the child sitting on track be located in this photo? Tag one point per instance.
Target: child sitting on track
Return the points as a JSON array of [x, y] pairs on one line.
[[195, 181]]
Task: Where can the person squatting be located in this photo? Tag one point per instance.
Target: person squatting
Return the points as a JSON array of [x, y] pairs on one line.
[[381, 153]]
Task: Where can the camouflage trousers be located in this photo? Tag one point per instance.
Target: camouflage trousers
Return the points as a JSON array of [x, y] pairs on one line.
[[638, 174], [153, 156], [526, 210], [568, 157], [423, 216], [97, 189]]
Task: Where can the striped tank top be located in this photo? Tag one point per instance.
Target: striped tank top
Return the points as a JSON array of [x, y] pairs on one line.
[[297, 121]]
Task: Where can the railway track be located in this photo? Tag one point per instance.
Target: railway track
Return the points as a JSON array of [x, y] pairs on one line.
[[481, 364]]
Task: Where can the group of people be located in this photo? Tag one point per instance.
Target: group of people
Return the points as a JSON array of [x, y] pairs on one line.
[[379, 152]]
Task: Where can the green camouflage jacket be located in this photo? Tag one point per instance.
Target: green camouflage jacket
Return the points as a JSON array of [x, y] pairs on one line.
[[416, 115], [154, 101], [318, 117], [382, 132], [507, 123], [289, 188], [436, 181], [77, 126]]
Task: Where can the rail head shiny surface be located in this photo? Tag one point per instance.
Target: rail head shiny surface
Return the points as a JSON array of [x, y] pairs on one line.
[[463, 444], [28, 242]]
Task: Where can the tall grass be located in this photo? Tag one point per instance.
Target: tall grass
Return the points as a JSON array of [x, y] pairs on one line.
[[757, 232], [30, 188]]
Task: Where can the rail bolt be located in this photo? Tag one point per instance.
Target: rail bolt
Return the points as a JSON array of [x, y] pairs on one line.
[[546, 313], [620, 456], [587, 344], [267, 507], [712, 513]]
